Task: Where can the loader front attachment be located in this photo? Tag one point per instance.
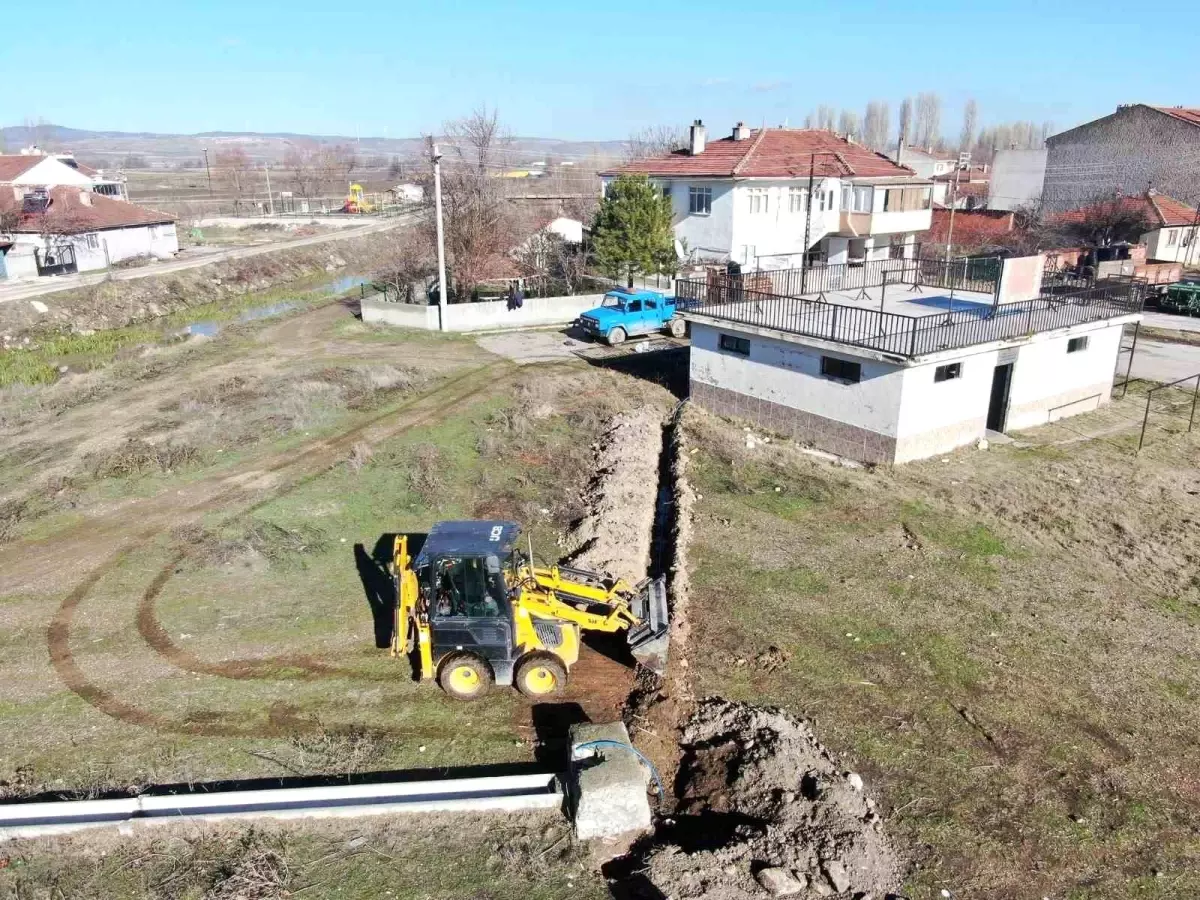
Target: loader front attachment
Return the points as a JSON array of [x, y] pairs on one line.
[[649, 638]]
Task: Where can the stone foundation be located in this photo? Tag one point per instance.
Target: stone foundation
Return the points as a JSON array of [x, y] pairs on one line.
[[824, 434]]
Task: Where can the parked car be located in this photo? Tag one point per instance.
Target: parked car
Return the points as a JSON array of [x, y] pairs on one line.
[[626, 313]]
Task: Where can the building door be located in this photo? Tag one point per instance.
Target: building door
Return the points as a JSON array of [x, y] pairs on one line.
[[998, 405]]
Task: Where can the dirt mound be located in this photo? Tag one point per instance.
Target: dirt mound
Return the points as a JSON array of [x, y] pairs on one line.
[[615, 536], [765, 810]]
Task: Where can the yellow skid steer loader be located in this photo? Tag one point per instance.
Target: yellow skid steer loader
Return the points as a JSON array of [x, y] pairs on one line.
[[478, 612]]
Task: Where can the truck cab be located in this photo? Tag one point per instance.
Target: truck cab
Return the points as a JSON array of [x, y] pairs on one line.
[[626, 313]]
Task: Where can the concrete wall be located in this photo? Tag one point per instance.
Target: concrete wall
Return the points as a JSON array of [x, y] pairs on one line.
[[780, 387], [706, 237], [1021, 278], [1049, 383], [1129, 149], [897, 413], [777, 235], [492, 316], [1017, 178], [939, 416]]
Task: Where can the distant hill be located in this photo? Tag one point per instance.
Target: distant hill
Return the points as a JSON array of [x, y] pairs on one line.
[[112, 148]]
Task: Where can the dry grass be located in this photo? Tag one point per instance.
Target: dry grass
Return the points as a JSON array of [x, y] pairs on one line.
[[1005, 642]]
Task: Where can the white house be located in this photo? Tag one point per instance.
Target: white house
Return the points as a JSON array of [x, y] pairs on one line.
[[1175, 235], [745, 198], [59, 230], [925, 163], [919, 378], [34, 168], [408, 193]]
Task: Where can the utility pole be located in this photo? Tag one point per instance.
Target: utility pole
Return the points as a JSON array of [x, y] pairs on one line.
[[950, 230], [1191, 251], [812, 160], [209, 171], [270, 198], [441, 239]]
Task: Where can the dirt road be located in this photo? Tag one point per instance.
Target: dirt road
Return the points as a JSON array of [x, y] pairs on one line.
[[42, 286]]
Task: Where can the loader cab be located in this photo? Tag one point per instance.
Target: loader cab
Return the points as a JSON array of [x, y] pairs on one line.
[[461, 579]]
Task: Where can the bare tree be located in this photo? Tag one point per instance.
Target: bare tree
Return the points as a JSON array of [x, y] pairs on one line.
[[966, 138], [408, 260], [928, 126], [479, 140], [300, 162], [810, 121], [876, 125], [334, 165], [848, 124], [234, 168], [480, 227], [906, 121], [825, 117], [1110, 219], [656, 140]]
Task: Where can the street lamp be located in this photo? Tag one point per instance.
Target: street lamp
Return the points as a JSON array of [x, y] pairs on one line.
[[208, 170]]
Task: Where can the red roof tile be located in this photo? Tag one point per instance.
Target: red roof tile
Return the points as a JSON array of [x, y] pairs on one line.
[[69, 214], [772, 153], [1183, 113], [1158, 209], [975, 173], [14, 165], [971, 226]]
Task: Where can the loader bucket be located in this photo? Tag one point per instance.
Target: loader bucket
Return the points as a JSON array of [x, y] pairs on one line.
[[649, 638]]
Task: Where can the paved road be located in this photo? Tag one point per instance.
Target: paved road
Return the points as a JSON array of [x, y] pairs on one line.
[[1173, 322], [1164, 361], [25, 290]]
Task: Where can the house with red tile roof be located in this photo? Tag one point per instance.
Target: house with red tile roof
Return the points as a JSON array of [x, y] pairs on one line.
[[1173, 227], [754, 195], [70, 228], [1137, 147], [34, 168]]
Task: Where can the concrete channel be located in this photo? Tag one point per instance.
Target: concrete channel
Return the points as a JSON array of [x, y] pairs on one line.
[[507, 793]]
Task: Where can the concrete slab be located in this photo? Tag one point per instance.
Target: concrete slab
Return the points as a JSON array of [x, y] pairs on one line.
[[607, 784], [531, 346]]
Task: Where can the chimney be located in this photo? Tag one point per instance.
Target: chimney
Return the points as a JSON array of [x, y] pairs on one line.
[[85, 198], [696, 137], [740, 131]]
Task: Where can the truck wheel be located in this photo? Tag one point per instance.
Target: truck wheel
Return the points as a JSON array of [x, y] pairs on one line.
[[465, 676], [616, 336], [677, 328], [540, 675]]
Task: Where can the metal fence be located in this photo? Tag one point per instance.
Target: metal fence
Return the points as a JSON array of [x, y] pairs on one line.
[[963, 274], [1177, 400], [907, 335]]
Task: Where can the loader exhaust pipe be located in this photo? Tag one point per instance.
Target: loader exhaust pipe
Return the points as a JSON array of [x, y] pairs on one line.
[[649, 638]]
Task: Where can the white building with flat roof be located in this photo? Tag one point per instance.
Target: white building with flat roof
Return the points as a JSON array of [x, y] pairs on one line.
[[923, 376]]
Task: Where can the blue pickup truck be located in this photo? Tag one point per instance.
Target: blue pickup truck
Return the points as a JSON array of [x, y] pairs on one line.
[[627, 313]]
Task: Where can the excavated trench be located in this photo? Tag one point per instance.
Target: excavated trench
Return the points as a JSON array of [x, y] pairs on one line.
[[759, 807]]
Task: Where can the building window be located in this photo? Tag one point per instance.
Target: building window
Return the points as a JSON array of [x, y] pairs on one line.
[[1172, 237], [841, 370], [905, 199], [700, 200], [731, 344], [1077, 345], [666, 189], [948, 372], [797, 199], [758, 200], [93, 241], [831, 206]]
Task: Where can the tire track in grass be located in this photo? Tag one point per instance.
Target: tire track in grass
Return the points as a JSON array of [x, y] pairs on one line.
[[325, 453]]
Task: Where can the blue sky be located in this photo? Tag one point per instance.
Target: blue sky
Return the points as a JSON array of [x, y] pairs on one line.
[[579, 71]]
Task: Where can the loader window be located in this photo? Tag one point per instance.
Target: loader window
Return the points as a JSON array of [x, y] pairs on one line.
[[466, 588]]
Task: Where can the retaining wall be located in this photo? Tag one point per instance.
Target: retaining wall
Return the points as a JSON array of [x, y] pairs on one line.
[[490, 316]]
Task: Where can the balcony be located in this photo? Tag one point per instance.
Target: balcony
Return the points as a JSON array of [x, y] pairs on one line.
[[863, 224]]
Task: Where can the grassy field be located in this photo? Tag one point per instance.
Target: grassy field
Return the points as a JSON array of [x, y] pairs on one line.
[[192, 590], [1004, 641]]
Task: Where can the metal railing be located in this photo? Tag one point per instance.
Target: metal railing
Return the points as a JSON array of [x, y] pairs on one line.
[[981, 275], [901, 334], [1173, 409]]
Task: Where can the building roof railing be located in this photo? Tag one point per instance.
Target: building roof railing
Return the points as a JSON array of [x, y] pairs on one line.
[[899, 334]]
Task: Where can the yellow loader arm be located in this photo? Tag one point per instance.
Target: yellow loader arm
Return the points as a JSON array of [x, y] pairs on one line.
[[597, 603], [408, 609]]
